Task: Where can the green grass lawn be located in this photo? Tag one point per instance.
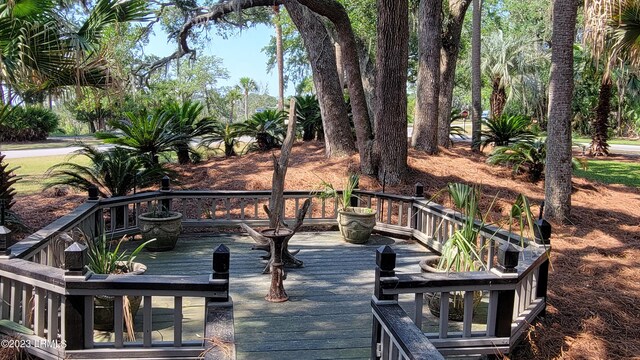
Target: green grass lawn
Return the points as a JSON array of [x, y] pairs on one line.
[[612, 172], [58, 142], [32, 171], [610, 141]]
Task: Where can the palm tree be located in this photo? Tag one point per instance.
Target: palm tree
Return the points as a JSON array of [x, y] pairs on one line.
[[115, 172], [232, 96], [309, 116], [42, 51], [503, 62], [625, 30], [267, 128], [187, 123], [227, 134], [558, 172], [148, 135], [248, 85], [476, 73]]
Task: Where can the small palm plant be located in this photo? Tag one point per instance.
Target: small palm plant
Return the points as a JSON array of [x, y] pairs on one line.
[[149, 135], [308, 115], [227, 134], [267, 128], [188, 123], [115, 172], [527, 157], [505, 130]]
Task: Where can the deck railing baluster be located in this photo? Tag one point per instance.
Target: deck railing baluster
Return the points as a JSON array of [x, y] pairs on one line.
[[118, 322], [147, 321]]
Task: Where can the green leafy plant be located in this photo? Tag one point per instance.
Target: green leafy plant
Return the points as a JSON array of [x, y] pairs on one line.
[[105, 260], [527, 157], [149, 135], [115, 172], [309, 117], [505, 130], [31, 123], [267, 128], [456, 130], [342, 198], [227, 134], [188, 123]]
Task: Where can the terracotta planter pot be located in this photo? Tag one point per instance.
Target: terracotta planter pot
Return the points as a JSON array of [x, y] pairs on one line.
[[164, 229], [456, 299], [356, 224], [103, 305]]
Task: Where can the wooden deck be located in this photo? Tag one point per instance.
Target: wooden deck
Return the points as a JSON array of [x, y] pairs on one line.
[[328, 315]]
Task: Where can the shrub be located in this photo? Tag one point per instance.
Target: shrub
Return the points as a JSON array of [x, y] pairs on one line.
[[505, 130], [527, 157], [267, 128], [28, 124], [309, 118]]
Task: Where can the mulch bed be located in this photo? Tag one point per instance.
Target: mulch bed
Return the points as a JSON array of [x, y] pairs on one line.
[[594, 287]]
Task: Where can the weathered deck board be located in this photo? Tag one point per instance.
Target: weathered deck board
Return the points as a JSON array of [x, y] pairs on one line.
[[328, 315]]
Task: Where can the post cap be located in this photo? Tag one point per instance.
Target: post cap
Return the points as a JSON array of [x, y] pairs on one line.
[[93, 193], [508, 256], [419, 190], [75, 257], [165, 183], [221, 257], [386, 258]]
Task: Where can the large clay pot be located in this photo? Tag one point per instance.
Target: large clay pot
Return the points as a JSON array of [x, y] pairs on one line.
[[356, 224], [165, 229], [456, 299], [103, 305]]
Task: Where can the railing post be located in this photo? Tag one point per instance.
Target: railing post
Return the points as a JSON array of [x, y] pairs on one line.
[[220, 270], [385, 267], [508, 256], [418, 193], [5, 232], [75, 259], [165, 187], [94, 195]]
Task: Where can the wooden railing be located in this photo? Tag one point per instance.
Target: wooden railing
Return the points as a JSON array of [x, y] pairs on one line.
[[34, 277]]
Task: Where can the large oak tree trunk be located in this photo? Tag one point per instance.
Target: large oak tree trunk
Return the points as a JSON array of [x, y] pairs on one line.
[[391, 93], [425, 127], [599, 146], [320, 50], [448, 61], [558, 173], [476, 80], [337, 14]]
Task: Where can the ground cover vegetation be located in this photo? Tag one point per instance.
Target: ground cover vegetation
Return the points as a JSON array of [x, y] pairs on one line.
[[522, 61]]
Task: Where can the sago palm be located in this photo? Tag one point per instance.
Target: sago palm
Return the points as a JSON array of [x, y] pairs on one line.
[[523, 157], [505, 130], [267, 128], [148, 135], [227, 134], [115, 172], [308, 115], [188, 123]]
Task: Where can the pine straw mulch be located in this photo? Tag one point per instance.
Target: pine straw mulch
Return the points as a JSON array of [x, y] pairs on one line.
[[594, 291]]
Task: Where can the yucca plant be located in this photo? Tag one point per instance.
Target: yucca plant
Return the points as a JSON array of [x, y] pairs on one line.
[[342, 198], [505, 130], [148, 135], [188, 123], [267, 128]]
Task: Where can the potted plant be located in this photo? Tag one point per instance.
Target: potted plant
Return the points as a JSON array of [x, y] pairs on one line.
[[355, 223], [164, 226], [104, 260], [461, 251]]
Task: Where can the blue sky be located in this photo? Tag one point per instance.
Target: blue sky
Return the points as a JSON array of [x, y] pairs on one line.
[[241, 55]]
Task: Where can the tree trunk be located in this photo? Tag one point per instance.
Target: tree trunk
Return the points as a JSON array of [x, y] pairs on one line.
[[337, 14], [368, 70], [183, 153], [246, 105], [391, 90], [599, 146], [558, 173], [476, 77], [448, 61], [425, 127], [279, 58], [339, 64], [320, 50], [498, 99], [622, 89]]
